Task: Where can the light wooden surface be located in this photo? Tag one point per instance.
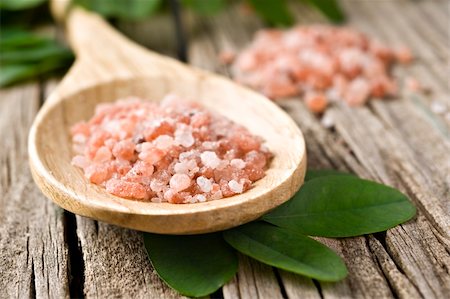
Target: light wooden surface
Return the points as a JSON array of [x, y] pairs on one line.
[[401, 143], [109, 67]]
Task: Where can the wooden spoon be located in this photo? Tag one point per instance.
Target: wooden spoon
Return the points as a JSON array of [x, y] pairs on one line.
[[108, 67]]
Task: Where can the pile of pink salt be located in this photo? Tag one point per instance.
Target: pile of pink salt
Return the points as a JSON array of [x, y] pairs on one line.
[[320, 63], [175, 151]]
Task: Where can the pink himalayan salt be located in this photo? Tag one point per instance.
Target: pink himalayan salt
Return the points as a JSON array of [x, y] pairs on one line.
[[175, 152], [238, 163], [316, 102], [321, 64], [235, 186], [179, 182]]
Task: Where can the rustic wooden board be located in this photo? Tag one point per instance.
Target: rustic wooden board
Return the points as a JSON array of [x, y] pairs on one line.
[[47, 252], [34, 253]]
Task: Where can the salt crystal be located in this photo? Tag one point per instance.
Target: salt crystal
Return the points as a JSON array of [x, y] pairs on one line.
[[200, 198], [235, 186], [210, 159], [204, 184], [190, 199], [238, 163], [152, 155], [184, 137], [157, 185], [103, 155], [209, 145], [186, 167], [168, 195], [217, 195], [186, 155], [163, 142], [79, 138], [179, 182]]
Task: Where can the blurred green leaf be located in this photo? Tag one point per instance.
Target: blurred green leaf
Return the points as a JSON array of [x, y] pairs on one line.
[[207, 7], [13, 37], [273, 12], [19, 4], [330, 8], [123, 9], [49, 50], [14, 73], [24, 56]]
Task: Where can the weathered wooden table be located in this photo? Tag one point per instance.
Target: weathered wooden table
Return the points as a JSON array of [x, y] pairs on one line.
[[48, 252]]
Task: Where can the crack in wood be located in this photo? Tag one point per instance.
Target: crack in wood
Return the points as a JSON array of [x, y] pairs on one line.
[[32, 281], [376, 260], [280, 283], [76, 262], [318, 287]]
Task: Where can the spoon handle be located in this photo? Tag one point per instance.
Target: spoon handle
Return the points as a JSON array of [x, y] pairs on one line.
[[102, 53], [100, 48]]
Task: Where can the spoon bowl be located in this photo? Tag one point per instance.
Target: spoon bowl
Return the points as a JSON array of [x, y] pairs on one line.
[[109, 67]]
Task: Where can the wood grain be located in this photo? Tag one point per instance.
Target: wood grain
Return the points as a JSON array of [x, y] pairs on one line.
[[34, 255], [408, 148]]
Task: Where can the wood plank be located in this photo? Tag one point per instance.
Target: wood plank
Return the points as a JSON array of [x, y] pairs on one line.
[[297, 286], [35, 258], [436, 14], [116, 263], [366, 273], [253, 280]]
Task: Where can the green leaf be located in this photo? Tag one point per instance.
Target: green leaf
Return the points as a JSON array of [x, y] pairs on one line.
[[19, 4], [273, 12], [314, 174], [35, 54], [11, 39], [15, 73], [24, 56], [330, 8], [287, 250], [203, 7], [194, 265], [123, 9], [342, 206]]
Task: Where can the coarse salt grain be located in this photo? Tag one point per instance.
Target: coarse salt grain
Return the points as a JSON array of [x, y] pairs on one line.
[[210, 159], [184, 137], [235, 186], [200, 198], [179, 182], [238, 163], [163, 142], [204, 184]]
